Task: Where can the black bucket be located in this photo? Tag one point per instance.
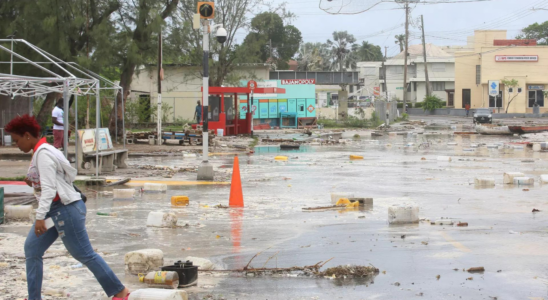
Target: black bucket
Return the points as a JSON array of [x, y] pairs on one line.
[[188, 273]]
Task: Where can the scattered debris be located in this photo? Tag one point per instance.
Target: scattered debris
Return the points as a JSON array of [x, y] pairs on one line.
[[462, 224], [476, 270], [535, 210], [438, 277], [396, 283]]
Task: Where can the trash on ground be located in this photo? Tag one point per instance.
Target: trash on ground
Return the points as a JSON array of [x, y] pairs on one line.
[[143, 261], [476, 270]]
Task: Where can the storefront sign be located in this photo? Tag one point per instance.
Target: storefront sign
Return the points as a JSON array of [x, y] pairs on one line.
[[494, 87], [516, 58], [535, 87], [87, 138], [376, 90], [298, 81]]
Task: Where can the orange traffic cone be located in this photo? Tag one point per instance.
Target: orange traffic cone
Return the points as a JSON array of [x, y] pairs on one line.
[[236, 195]]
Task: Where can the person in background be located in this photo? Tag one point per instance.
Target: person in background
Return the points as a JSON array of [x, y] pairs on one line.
[[467, 107], [52, 177], [198, 112], [57, 117]]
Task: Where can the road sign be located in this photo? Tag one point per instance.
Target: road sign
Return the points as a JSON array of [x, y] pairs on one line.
[[252, 84], [493, 87]]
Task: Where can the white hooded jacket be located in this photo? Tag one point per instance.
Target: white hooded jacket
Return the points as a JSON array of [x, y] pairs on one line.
[[55, 177]]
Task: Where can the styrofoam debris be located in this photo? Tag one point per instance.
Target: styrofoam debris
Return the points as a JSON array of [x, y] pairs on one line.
[[161, 219], [202, 263], [508, 177], [19, 212], [403, 214], [142, 261], [484, 182], [544, 178], [524, 181], [124, 193], [444, 158], [155, 187], [158, 294]]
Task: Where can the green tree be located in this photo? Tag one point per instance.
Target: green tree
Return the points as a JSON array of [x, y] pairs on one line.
[[313, 57], [432, 102], [369, 52], [510, 84], [537, 32], [270, 40], [342, 50], [400, 40]]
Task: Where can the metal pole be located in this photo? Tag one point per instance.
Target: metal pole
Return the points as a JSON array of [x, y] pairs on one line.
[[159, 121], [405, 54], [384, 71], [97, 125], [123, 116], [76, 130], [116, 118], [205, 170], [424, 54], [250, 110], [11, 59], [66, 112]]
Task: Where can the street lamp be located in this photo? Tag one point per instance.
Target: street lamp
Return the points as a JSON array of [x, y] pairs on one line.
[[206, 11]]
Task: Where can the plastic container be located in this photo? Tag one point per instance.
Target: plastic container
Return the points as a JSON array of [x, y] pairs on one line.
[[158, 294], [155, 187], [161, 219], [7, 140], [524, 181], [161, 279], [336, 196], [179, 201], [280, 158], [18, 212], [544, 178], [143, 261], [508, 177], [403, 214], [356, 157], [124, 193], [188, 273], [220, 132], [484, 182]]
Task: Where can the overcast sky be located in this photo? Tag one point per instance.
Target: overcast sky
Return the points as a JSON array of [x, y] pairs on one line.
[[445, 24]]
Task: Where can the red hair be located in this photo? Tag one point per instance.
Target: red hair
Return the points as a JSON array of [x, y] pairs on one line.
[[21, 124]]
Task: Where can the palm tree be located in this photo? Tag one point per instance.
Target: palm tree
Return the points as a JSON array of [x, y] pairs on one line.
[[312, 57], [369, 52], [400, 40], [343, 50]]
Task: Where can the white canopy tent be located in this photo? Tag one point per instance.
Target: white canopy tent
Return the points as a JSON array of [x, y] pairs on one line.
[[66, 78]]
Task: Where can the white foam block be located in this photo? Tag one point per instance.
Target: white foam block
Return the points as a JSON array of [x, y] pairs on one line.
[[155, 187], [444, 158], [524, 181], [537, 147], [161, 219], [18, 212], [508, 177], [124, 193], [403, 214], [544, 178], [158, 294], [142, 261], [484, 182]]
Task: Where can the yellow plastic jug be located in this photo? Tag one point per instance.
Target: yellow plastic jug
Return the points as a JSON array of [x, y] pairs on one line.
[[179, 200], [342, 201], [356, 157], [280, 158]]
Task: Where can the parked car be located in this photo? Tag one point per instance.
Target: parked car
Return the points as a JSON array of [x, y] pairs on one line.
[[483, 115]]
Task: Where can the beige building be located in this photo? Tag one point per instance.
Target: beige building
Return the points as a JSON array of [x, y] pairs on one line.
[[181, 87], [493, 59]]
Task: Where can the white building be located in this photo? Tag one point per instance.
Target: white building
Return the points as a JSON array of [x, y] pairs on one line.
[[441, 73]]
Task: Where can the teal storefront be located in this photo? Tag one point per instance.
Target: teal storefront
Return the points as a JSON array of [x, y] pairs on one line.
[[298, 103]]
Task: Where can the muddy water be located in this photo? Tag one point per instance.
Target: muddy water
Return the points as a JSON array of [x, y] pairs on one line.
[[503, 235]]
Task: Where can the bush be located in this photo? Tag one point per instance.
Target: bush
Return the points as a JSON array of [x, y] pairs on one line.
[[432, 102], [400, 104], [418, 105]]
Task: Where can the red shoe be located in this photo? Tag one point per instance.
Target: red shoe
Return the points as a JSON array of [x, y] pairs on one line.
[[118, 298]]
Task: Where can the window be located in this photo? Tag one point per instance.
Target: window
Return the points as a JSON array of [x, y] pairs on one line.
[[537, 96], [438, 86], [395, 69], [414, 86], [495, 101], [438, 67], [409, 87], [466, 97], [351, 89], [383, 87], [478, 74]]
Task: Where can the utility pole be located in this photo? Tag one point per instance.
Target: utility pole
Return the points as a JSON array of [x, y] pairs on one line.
[[405, 54], [424, 54], [205, 170], [159, 111], [384, 71]]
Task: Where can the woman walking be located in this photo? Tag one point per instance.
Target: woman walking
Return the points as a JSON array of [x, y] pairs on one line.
[[52, 177]]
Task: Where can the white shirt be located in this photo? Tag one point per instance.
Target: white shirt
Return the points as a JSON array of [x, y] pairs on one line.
[[58, 113]]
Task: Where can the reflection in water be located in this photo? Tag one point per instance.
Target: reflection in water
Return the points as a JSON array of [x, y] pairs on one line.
[[236, 216], [276, 149]]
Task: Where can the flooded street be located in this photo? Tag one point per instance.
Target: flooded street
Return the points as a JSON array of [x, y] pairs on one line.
[[415, 260]]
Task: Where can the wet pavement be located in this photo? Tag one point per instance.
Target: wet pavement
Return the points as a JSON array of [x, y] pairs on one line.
[[503, 235]]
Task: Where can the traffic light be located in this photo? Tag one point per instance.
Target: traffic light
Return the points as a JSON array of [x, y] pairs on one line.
[[206, 10]]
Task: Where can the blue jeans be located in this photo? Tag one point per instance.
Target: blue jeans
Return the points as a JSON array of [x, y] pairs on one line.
[[70, 225]]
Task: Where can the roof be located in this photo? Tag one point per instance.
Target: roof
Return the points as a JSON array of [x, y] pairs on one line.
[[417, 50]]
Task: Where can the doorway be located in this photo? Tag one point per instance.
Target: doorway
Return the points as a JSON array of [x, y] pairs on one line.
[[466, 97]]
